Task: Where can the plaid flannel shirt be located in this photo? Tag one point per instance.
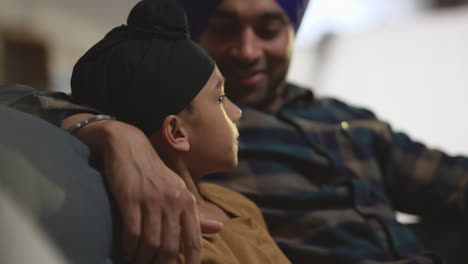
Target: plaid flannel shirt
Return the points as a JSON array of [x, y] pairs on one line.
[[50, 106], [327, 176]]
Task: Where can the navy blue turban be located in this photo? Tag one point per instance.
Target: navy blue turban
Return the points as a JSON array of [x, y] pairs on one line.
[[143, 71], [199, 11]]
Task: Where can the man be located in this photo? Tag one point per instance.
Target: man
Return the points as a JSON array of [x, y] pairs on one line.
[[327, 176]]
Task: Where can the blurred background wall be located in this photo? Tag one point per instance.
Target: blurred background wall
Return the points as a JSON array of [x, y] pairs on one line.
[[406, 60]]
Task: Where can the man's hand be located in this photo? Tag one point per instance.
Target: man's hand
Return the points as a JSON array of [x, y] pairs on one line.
[[159, 214]]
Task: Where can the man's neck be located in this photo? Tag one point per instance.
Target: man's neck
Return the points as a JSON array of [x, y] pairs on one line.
[[275, 104], [275, 101]]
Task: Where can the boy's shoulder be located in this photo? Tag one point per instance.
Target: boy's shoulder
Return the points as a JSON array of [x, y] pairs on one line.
[[229, 200]]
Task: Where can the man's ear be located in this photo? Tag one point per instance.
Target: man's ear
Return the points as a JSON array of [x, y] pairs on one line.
[[175, 134]]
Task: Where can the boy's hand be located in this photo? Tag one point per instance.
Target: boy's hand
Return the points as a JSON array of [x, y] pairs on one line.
[[158, 213]]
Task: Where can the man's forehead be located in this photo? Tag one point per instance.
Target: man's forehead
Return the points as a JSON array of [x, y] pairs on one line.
[[200, 11], [249, 9]]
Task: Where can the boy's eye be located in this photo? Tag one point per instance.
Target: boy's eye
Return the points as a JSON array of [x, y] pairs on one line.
[[221, 98]]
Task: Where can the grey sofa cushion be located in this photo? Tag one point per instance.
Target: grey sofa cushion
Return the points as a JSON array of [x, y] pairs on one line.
[[19, 233], [48, 173]]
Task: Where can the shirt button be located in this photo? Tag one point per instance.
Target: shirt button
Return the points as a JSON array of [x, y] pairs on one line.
[[344, 125]]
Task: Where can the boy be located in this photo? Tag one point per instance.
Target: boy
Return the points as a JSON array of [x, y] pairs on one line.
[[152, 76]]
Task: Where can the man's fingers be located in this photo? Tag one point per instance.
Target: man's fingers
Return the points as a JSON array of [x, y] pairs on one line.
[[209, 226], [151, 233], [131, 220], [191, 238], [165, 259], [170, 236], [144, 255]]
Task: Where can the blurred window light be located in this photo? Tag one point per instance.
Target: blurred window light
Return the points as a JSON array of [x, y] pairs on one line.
[[350, 16]]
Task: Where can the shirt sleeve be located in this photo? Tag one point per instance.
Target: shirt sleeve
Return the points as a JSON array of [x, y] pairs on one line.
[[425, 181], [50, 106]]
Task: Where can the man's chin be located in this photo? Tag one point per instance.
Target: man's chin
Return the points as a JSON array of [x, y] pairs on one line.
[[252, 100], [252, 80], [249, 95]]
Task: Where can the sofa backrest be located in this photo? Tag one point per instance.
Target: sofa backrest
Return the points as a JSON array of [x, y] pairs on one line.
[[47, 172]]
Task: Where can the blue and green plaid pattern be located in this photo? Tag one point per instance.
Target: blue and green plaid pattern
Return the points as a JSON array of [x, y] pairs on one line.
[[328, 178]]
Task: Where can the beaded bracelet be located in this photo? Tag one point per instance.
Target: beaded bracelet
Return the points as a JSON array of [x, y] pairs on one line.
[[88, 120]]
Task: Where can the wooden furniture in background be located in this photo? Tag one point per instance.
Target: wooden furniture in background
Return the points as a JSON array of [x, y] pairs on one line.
[[23, 59]]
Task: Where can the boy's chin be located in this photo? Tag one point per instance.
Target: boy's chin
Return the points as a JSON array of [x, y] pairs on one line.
[[232, 164]]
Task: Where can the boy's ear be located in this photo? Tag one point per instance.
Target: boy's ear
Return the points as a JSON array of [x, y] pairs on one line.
[[175, 134]]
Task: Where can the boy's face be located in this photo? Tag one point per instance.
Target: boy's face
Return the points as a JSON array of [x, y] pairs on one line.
[[251, 42], [211, 125]]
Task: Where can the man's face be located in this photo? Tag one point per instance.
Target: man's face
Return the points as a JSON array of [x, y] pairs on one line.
[[251, 41]]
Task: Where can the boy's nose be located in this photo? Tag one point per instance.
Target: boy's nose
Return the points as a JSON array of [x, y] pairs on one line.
[[234, 112]]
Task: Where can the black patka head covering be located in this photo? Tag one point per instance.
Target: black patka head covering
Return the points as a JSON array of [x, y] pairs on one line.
[[143, 71]]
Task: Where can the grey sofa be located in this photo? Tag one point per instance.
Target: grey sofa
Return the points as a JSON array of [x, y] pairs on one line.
[[47, 174]]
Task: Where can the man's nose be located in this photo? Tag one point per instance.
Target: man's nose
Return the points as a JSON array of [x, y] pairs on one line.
[[248, 48]]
